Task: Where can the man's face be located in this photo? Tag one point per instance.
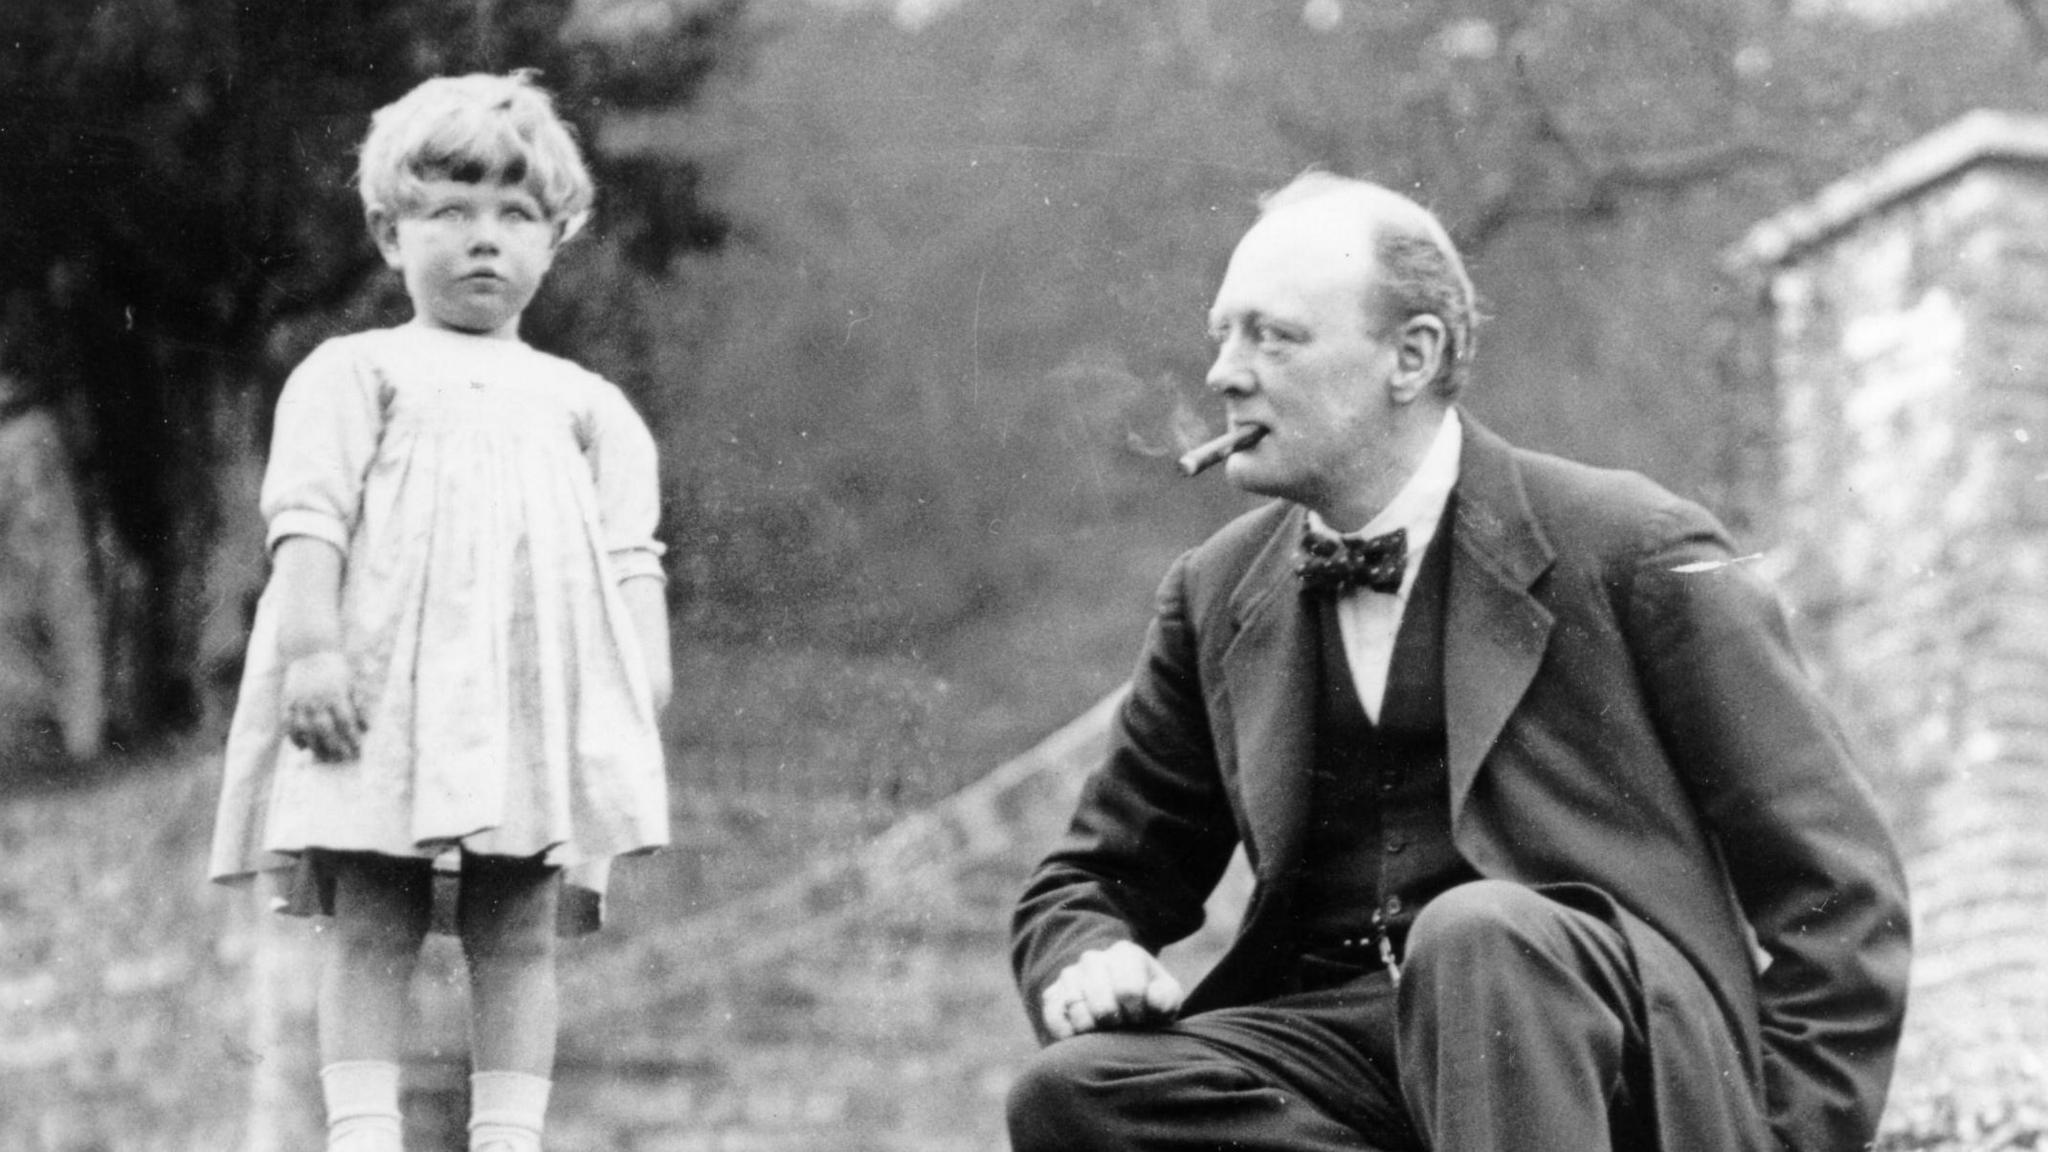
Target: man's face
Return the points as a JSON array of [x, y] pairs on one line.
[[1296, 354]]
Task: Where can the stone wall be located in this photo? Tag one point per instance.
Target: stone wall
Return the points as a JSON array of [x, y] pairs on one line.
[[1907, 521], [866, 1004], [863, 1004]]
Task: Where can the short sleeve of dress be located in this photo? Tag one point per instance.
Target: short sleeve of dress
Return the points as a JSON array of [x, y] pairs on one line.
[[623, 463], [329, 420]]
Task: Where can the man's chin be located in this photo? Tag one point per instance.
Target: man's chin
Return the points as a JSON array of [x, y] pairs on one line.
[[1248, 475]]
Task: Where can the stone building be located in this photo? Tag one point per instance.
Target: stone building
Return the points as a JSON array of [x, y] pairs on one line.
[[1890, 394]]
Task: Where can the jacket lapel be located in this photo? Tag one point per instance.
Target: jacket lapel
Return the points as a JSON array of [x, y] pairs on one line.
[[1269, 670], [1495, 632]]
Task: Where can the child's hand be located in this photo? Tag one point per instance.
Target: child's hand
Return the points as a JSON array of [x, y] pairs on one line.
[[319, 709], [649, 609]]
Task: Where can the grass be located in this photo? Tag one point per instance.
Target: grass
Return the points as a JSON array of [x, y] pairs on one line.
[[120, 968]]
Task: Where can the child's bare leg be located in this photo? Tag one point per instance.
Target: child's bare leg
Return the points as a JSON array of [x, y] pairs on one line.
[[507, 920], [381, 907]]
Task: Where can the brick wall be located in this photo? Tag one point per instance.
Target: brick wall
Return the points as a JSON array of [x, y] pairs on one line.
[[1913, 376], [1900, 488]]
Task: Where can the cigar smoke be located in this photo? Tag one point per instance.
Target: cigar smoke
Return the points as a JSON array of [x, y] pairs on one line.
[[1163, 417], [1207, 456]]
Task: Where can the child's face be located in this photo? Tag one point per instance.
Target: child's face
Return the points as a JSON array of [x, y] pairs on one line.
[[472, 254]]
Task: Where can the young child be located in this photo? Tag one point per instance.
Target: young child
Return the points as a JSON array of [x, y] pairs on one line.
[[463, 644]]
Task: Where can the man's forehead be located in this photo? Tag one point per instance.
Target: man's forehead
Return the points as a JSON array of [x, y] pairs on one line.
[[1294, 253]]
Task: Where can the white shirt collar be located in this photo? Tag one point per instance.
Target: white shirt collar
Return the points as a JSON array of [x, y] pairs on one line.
[[1419, 506]]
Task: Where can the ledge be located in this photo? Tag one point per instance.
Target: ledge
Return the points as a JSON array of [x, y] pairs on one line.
[[1974, 138]]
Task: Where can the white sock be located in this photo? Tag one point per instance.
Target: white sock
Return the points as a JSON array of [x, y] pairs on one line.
[[362, 1106], [507, 1107]]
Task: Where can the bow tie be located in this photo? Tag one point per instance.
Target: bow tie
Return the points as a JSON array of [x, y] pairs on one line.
[[1341, 564]]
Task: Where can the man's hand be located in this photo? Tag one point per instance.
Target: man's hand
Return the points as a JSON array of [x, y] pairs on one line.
[[319, 709], [1121, 986]]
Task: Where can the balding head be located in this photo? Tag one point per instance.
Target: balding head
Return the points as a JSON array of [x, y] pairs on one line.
[[1419, 270]]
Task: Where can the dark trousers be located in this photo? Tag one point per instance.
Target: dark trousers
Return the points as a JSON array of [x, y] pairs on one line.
[[1517, 1024]]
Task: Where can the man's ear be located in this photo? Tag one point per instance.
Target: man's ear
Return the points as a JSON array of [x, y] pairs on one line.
[[384, 230], [1419, 350]]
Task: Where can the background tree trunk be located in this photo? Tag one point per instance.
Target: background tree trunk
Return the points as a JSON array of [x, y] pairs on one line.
[[52, 688]]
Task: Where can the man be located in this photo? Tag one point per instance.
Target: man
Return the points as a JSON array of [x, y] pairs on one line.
[[1555, 846]]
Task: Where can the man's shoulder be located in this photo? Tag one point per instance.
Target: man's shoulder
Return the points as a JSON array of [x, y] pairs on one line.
[[1207, 578], [1232, 548], [1593, 505]]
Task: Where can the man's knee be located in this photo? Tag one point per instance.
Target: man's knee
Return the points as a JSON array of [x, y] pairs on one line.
[[1496, 949], [1480, 922], [1118, 1089], [1055, 1096]]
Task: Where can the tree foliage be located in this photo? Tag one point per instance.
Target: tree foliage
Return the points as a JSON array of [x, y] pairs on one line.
[[934, 375], [972, 253]]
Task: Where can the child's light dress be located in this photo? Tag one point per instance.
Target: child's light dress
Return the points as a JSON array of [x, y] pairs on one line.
[[488, 499]]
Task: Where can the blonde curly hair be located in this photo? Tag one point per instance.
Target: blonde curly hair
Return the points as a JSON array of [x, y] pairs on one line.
[[476, 129]]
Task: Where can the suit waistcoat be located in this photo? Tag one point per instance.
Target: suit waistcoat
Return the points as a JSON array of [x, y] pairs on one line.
[[1379, 835]]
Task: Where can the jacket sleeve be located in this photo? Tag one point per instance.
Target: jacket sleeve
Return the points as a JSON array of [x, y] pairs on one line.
[[1812, 864], [1153, 830]]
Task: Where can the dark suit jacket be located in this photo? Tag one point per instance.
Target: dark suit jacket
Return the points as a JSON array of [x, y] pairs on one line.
[[1624, 710]]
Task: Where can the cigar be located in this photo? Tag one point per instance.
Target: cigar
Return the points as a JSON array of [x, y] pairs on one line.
[[1207, 456]]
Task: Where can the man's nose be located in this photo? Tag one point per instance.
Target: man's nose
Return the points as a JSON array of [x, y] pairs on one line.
[[1230, 375], [485, 234]]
